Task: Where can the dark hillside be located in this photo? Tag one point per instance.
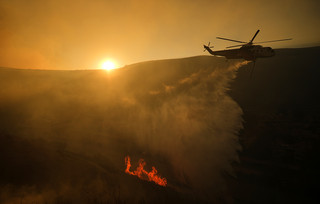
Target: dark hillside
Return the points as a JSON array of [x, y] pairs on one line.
[[281, 136]]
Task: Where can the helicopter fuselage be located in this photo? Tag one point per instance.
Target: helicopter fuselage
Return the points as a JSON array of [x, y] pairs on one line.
[[247, 52]]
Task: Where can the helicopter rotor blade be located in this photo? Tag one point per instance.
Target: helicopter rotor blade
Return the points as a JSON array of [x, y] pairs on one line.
[[231, 40], [254, 36], [234, 46], [274, 40]]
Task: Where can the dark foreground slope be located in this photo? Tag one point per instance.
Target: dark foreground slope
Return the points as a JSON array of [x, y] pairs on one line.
[[281, 136]]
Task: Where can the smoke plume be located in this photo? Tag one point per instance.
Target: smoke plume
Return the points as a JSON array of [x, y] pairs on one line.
[[66, 133]]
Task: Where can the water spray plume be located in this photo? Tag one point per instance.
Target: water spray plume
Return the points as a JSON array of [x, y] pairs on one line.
[[141, 173]]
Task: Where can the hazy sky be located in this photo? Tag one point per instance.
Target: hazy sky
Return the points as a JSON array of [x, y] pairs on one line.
[[80, 34]]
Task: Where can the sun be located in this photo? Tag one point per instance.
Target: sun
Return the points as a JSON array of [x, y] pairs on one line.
[[108, 65]]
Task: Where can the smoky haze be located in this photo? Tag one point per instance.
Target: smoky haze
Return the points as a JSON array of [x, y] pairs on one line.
[[56, 34], [65, 134]]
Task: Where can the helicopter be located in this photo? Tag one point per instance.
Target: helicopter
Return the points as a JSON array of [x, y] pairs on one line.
[[248, 50]]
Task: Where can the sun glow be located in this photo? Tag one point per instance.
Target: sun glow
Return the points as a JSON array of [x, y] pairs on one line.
[[108, 65]]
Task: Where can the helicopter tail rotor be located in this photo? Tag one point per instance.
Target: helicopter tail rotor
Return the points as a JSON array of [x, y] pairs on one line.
[[206, 47]]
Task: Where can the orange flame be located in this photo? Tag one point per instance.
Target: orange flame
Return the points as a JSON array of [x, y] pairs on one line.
[[143, 174]]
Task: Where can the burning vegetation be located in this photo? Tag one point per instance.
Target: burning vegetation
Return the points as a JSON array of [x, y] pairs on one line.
[[141, 173]]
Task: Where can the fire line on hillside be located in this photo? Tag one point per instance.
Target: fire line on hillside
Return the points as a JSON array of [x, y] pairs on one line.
[[141, 173]]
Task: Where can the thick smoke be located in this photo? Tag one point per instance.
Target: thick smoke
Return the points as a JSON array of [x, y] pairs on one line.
[[194, 125], [66, 134]]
